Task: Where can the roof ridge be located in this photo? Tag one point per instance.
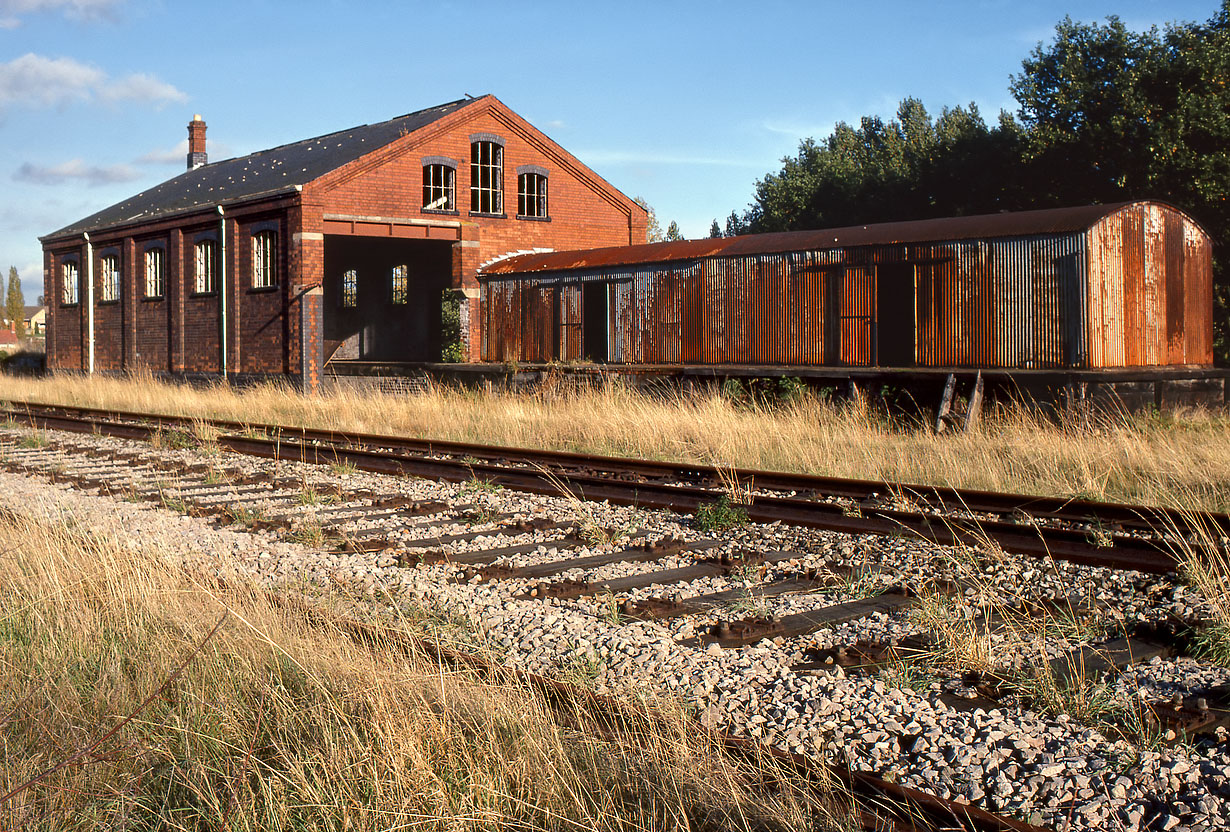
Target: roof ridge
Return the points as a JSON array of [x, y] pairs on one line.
[[260, 173], [1029, 222], [332, 133]]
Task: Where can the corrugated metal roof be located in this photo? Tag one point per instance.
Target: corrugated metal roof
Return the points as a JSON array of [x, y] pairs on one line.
[[1014, 224], [258, 174]]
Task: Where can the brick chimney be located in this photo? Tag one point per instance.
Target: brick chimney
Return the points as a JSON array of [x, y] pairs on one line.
[[196, 142]]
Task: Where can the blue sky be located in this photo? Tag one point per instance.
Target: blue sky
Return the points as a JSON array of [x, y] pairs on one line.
[[683, 103]]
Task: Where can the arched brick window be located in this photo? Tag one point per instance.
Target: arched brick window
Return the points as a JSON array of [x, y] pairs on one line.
[[155, 273], [350, 289], [532, 191], [205, 267], [439, 184], [486, 174], [400, 285], [70, 282], [109, 278], [264, 259]]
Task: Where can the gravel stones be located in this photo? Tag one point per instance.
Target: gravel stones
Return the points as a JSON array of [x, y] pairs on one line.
[[1052, 770]]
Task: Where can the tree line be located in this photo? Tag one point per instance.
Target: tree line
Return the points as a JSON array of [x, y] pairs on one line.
[[1105, 115]]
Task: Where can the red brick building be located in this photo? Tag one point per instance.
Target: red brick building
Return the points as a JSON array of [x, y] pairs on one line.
[[337, 247]]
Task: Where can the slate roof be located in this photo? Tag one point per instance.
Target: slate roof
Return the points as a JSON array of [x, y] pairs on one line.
[[259, 174], [944, 229], [31, 311]]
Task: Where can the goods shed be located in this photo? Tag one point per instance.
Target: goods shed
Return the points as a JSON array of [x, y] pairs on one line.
[[345, 249], [1094, 287]]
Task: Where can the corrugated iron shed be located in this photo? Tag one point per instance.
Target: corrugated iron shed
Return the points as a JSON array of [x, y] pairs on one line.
[[1097, 286]]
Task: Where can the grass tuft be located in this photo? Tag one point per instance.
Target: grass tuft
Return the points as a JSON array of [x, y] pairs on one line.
[[1183, 459], [719, 516], [139, 695]]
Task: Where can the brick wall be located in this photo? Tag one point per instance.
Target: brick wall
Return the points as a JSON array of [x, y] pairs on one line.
[[65, 323], [584, 210], [196, 341], [267, 328]]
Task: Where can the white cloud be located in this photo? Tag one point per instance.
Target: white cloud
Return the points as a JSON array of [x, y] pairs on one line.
[[80, 10], [174, 155], [140, 87], [74, 170], [47, 82], [37, 81]]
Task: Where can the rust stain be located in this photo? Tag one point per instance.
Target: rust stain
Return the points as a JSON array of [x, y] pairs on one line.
[[1131, 287]]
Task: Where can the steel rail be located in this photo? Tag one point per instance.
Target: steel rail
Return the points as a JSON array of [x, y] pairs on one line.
[[1037, 541], [881, 805], [877, 804], [939, 498], [1123, 552]]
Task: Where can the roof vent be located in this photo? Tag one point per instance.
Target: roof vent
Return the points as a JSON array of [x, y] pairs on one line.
[[196, 143]]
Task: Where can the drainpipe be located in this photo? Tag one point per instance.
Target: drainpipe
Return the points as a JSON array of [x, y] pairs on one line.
[[222, 287], [89, 298]]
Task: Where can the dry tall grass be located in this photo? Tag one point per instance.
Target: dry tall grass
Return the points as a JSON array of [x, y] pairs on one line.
[[279, 724], [1182, 460]]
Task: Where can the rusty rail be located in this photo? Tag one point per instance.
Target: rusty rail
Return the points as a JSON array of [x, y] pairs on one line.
[[684, 488]]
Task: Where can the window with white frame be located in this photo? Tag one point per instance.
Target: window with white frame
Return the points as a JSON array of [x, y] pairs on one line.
[[350, 289], [486, 177], [155, 276], [439, 187], [401, 285], [205, 267], [264, 259], [109, 276], [532, 194], [70, 283]]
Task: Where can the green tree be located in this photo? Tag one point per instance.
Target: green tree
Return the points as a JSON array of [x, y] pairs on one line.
[[1106, 114], [715, 230], [910, 167], [673, 232], [735, 225], [14, 304], [1111, 114], [653, 231]]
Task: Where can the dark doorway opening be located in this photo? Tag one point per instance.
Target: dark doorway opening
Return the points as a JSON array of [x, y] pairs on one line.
[[383, 298], [895, 326], [595, 322]]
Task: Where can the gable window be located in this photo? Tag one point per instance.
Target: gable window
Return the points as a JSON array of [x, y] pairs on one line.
[[401, 285], [70, 284], [350, 289], [531, 192], [439, 187], [264, 259], [205, 268], [155, 280], [486, 177], [109, 274]]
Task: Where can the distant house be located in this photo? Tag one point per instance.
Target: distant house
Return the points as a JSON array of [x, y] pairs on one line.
[[36, 320], [8, 341]]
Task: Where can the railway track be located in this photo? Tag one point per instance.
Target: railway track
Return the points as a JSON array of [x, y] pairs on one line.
[[472, 545], [1120, 536]]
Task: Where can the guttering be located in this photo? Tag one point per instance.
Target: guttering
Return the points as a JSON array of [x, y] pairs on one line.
[[222, 289], [89, 299]]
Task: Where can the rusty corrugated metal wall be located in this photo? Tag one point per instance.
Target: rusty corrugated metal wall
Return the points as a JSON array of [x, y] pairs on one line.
[[1150, 289], [1135, 289]]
